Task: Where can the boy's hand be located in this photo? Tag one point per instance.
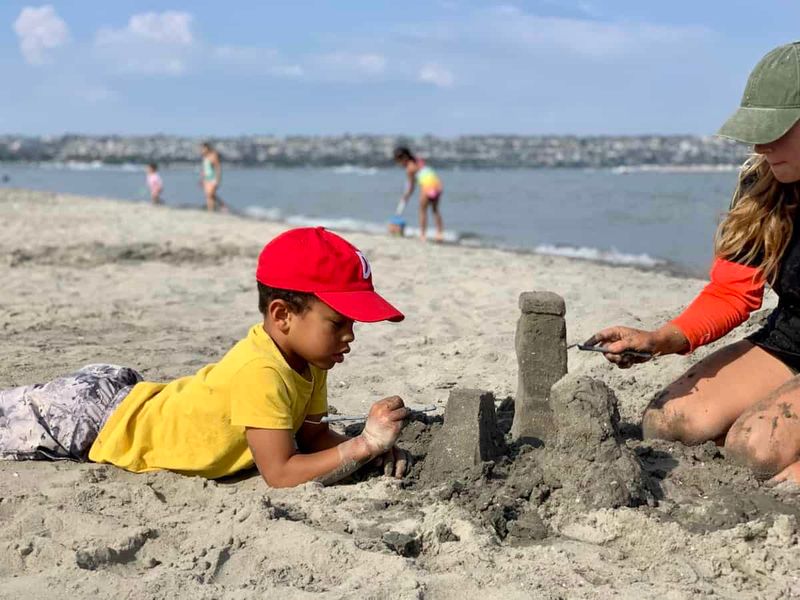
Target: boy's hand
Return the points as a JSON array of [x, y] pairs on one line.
[[395, 462], [383, 425]]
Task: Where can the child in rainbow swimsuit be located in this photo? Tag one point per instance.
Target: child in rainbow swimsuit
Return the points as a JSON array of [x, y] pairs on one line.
[[430, 187]]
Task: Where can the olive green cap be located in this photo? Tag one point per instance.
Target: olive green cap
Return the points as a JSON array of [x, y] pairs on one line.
[[771, 101]]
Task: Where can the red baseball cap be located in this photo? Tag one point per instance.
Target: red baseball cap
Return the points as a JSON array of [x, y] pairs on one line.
[[316, 261]]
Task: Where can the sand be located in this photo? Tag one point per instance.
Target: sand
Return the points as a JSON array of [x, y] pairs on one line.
[[167, 291]]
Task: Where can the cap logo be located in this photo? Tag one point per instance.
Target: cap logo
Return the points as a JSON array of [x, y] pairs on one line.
[[366, 270]]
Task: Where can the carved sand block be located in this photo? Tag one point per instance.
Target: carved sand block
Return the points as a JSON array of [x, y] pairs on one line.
[[541, 346], [468, 437]]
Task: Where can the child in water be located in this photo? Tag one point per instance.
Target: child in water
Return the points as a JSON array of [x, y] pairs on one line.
[[154, 183], [430, 190]]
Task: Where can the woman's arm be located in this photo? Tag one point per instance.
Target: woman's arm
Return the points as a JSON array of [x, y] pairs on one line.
[[733, 293], [725, 303]]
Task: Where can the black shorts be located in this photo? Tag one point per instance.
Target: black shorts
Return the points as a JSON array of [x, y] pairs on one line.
[[761, 339]]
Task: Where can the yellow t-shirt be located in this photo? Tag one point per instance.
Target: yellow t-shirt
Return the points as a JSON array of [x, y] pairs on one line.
[[196, 425]]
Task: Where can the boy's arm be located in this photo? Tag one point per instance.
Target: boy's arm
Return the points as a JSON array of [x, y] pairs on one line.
[[281, 465], [314, 436]]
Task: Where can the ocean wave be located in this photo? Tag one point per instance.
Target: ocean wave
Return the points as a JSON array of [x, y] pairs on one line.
[[341, 223], [354, 170], [612, 256], [624, 170], [95, 165], [263, 213], [358, 226]]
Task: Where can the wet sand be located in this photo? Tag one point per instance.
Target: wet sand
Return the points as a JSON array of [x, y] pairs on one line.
[[167, 291]]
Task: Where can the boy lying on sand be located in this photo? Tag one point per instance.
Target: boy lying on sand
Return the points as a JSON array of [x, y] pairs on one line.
[[261, 404]]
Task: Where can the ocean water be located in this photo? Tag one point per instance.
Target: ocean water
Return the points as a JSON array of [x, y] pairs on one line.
[[652, 218]]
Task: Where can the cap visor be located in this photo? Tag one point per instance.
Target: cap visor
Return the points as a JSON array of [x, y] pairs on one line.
[[754, 125], [365, 306]]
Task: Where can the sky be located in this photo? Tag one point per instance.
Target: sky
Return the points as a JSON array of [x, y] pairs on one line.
[[441, 67]]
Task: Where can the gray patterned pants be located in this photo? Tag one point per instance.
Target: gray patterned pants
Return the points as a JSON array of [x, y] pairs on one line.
[[60, 419]]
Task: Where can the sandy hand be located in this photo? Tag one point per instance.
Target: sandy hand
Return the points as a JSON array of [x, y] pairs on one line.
[[384, 422], [395, 463], [618, 340], [668, 339]]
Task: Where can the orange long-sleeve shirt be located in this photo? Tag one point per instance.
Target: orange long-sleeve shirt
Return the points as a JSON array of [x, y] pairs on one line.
[[733, 293]]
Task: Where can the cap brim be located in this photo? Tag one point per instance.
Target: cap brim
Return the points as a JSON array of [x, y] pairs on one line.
[[366, 306], [754, 125]]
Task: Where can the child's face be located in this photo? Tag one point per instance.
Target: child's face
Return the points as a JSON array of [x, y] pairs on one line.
[[320, 335]]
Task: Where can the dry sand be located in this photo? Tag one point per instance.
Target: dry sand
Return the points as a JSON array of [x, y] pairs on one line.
[[168, 291]]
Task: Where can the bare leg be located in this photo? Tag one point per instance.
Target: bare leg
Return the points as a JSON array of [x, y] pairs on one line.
[[766, 437], [423, 217], [210, 190], [437, 216], [213, 201], [705, 401], [220, 205]]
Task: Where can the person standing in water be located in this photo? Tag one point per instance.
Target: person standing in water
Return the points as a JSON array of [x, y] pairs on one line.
[[211, 177], [430, 190], [154, 183]]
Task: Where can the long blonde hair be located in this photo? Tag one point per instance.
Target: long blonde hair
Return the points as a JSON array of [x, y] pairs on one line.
[[760, 222]]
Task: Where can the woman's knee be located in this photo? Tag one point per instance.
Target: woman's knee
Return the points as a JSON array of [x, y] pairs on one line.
[[752, 441], [671, 418]]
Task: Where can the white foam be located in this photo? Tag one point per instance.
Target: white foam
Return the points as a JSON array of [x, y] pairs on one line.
[[447, 236], [354, 170], [611, 256], [624, 170], [94, 165], [342, 224], [263, 213]]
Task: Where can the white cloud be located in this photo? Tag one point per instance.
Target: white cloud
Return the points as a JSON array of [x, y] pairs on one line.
[[370, 64], [169, 27], [436, 75], [40, 30], [589, 38], [151, 43], [257, 60]]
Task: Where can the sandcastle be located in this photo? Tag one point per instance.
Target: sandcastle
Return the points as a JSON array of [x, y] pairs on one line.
[[570, 424]]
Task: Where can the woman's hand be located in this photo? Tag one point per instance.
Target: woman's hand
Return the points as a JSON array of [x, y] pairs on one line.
[[666, 340]]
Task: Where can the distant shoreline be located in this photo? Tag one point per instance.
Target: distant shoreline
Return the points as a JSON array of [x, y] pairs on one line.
[[137, 166], [470, 151]]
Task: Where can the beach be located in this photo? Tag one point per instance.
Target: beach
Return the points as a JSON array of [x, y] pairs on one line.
[[167, 291]]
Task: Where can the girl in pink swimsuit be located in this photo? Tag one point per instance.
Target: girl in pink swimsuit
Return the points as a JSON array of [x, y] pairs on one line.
[[430, 188], [154, 183]]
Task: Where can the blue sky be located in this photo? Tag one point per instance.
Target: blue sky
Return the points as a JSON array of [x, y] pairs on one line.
[[443, 67]]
